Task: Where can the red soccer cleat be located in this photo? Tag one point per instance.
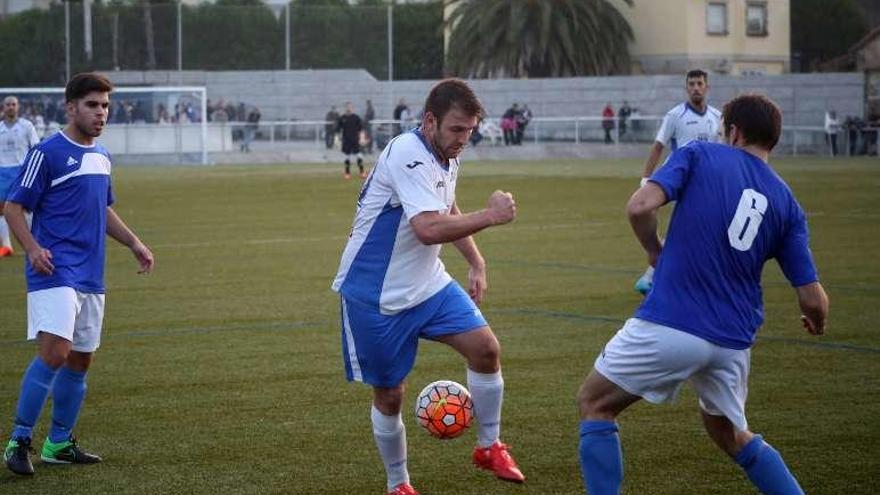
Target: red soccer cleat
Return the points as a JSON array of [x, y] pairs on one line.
[[403, 489], [6, 251], [498, 460]]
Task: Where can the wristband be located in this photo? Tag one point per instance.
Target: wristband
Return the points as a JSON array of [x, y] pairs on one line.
[[643, 182]]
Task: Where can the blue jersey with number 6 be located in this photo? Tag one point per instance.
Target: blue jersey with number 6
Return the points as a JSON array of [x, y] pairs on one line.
[[733, 213]]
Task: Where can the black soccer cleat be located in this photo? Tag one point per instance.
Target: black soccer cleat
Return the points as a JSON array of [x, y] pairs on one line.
[[67, 452], [16, 456]]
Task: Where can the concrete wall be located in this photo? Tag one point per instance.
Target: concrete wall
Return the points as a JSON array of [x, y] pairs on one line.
[[307, 95]]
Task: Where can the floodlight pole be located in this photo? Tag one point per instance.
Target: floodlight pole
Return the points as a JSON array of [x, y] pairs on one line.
[[390, 55], [179, 35], [390, 42], [287, 36], [66, 41], [87, 28]]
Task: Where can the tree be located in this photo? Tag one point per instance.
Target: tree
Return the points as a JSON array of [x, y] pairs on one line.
[[824, 29], [548, 38]]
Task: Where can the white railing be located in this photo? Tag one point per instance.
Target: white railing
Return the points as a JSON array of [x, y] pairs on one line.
[[312, 134]]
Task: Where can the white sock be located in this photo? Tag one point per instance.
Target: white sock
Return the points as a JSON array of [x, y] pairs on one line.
[[390, 435], [487, 393], [4, 233], [649, 274]]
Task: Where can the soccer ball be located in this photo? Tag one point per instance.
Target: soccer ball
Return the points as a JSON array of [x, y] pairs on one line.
[[444, 408]]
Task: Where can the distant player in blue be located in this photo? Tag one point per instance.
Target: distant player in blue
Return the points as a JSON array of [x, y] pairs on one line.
[[699, 321], [65, 182], [394, 289]]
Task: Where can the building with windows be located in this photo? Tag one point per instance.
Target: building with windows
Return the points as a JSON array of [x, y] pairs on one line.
[[737, 37]]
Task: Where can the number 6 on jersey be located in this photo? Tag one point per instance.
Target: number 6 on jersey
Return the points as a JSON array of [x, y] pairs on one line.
[[744, 227]]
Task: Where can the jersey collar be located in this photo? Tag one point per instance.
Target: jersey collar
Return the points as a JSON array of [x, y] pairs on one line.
[[418, 132], [690, 107], [71, 141]]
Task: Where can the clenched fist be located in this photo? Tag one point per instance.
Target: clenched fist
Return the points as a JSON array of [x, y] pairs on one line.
[[501, 207]]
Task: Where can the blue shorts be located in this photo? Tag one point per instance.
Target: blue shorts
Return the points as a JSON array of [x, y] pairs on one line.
[[380, 350], [7, 177]]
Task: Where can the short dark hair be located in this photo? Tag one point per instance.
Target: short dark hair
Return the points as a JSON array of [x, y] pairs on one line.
[[757, 118], [450, 93], [84, 83], [697, 73]]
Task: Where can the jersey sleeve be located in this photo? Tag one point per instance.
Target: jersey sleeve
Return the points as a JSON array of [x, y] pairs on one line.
[[673, 176], [412, 181], [666, 131], [32, 181], [794, 255], [32, 137], [111, 198], [719, 126]]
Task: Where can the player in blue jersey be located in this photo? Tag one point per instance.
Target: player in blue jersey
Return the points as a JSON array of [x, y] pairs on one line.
[[697, 324], [17, 136], [693, 120], [394, 289], [65, 182]]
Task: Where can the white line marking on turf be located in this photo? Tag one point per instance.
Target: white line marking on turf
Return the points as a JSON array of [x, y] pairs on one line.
[[252, 242]]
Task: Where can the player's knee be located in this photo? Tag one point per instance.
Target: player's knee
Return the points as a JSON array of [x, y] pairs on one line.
[[79, 361], [487, 357], [388, 400], [593, 405], [54, 357]]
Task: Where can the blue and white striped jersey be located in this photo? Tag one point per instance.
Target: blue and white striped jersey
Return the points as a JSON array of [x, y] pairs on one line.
[[384, 264], [67, 187]]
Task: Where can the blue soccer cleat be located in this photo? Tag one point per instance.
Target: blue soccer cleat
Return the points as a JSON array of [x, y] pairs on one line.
[[645, 282]]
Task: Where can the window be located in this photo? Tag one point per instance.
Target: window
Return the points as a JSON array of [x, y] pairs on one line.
[[716, 18], [756, 19]]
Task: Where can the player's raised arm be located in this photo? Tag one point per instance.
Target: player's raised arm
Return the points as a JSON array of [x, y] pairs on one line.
[[814, 305], [431, 227], [117, 229]]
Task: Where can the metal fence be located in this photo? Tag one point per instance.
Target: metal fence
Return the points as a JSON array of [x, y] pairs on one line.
[[288, 136]]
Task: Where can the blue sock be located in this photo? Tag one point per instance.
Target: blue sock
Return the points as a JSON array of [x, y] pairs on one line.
[[601, 458], [35, 387], [67, 398], [765, 467]]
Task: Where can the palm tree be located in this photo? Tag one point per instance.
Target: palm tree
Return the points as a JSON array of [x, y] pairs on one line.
[[537, 38]]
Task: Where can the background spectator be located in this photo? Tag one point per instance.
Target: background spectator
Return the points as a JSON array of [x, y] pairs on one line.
[[832, 127], [608, 122]]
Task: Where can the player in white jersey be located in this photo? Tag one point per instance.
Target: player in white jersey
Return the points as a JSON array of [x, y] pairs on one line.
[[17, 136], [395, 290], [693, 120]]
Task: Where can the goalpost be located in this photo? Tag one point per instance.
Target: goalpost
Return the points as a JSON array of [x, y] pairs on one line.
[[165, 123]]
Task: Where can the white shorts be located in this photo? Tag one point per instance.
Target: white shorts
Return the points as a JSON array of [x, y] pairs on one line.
[[653, 361], [70, 314]]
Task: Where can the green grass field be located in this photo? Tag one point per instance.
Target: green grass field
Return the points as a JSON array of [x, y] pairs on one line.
[[221, 372]]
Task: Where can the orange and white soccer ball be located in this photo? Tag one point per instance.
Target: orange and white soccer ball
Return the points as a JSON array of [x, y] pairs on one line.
[[444, 408]]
